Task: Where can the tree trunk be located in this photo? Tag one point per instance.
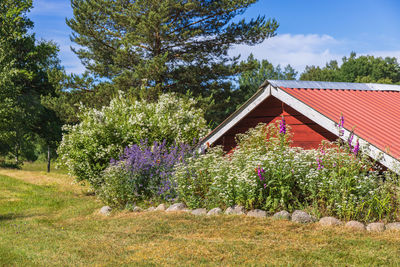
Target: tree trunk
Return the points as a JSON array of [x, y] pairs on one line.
[[48, 158]]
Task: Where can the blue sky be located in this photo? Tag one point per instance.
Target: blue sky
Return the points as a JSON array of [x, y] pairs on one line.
[[311, 32]]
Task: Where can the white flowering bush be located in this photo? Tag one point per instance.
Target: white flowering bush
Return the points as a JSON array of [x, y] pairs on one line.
[[264, 171], [87, 148]]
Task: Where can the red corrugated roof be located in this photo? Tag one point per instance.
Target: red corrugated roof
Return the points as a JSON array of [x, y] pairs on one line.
[[375, 114]]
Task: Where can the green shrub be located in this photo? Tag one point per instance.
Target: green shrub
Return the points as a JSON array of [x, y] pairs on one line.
[[87, 148], [264, 171]]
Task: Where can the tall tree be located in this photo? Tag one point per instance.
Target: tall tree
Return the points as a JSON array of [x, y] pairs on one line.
[[24, 66], [367, 69], [257, 72], [169, 45]]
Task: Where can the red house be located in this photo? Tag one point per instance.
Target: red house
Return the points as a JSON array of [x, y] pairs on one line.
[[313, 109]]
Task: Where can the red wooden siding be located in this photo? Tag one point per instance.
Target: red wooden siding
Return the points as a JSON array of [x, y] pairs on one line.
[[306, 133]]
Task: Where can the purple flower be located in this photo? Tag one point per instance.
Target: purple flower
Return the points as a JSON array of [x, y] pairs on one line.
[[341, 125], [356, 148], [350, 140], [260, 171], [320, 166], [152, 165], [282, 126], [341, 120]]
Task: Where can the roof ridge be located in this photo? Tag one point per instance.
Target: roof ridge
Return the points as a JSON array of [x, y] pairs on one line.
[[334, 85]]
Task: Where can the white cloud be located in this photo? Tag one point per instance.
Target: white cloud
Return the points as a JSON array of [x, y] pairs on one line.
[[301, 50], [297, 50]]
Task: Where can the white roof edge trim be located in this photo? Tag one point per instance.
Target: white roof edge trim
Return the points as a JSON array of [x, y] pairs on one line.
[[263, 93], [374, 152]]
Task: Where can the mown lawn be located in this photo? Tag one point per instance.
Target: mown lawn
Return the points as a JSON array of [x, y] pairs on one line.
[[46, 220]]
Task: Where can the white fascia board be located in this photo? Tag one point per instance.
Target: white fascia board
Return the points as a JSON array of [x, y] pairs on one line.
[[262, 94], [374, 152]]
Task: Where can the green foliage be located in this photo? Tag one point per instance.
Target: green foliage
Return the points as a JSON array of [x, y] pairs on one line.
[[24, 78], [363, 69], [259, 71], [168, 46], [87, 148], [265, 172]]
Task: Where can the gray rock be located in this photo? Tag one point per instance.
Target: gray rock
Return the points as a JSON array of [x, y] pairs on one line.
[[355, 225], [199, 212], [176, 207], [106, 210], [186, 210], [151, 209], [137, 209], [235, 210], [161, 207], [393, 226], [257, 213], [329, 221], [376, 227], [214, 211], [282, 215], [300, 216]]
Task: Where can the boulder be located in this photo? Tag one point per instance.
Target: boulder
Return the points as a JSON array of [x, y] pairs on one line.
[[161, 207], [393, 226], [329, 221], [300, 216], [282, 215], [176, 207], [214, 211], [137, 209], [235, 210], [257, 213], [106, 210], [355, 225], [151, 209], [199, 212], [376, 227]]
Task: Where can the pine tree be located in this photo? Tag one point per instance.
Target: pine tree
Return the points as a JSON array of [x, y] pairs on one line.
[[169, 45]]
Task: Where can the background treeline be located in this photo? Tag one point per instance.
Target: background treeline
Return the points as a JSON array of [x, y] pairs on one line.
[[145, 49]]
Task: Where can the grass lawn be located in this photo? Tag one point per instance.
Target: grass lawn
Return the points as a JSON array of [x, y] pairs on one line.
[[47, 220]]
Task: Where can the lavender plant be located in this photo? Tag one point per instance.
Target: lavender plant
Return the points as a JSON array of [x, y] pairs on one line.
[[87, 147], [143, 172]]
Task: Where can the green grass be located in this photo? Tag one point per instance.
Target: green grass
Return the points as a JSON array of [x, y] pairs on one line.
[[47, 221]]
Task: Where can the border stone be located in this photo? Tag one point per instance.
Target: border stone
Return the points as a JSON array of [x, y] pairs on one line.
[[376, 227], [151, 209], [214, 211], [176, 207], [329, 221], [198, 212], [257, 213], [235, 210], [282, 215], [393, 226], [300, 216], [105, 210], [355, 225], [137, 209], [161, 207]]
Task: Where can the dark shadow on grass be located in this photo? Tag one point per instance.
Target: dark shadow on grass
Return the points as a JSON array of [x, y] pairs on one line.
[[13, 216]]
